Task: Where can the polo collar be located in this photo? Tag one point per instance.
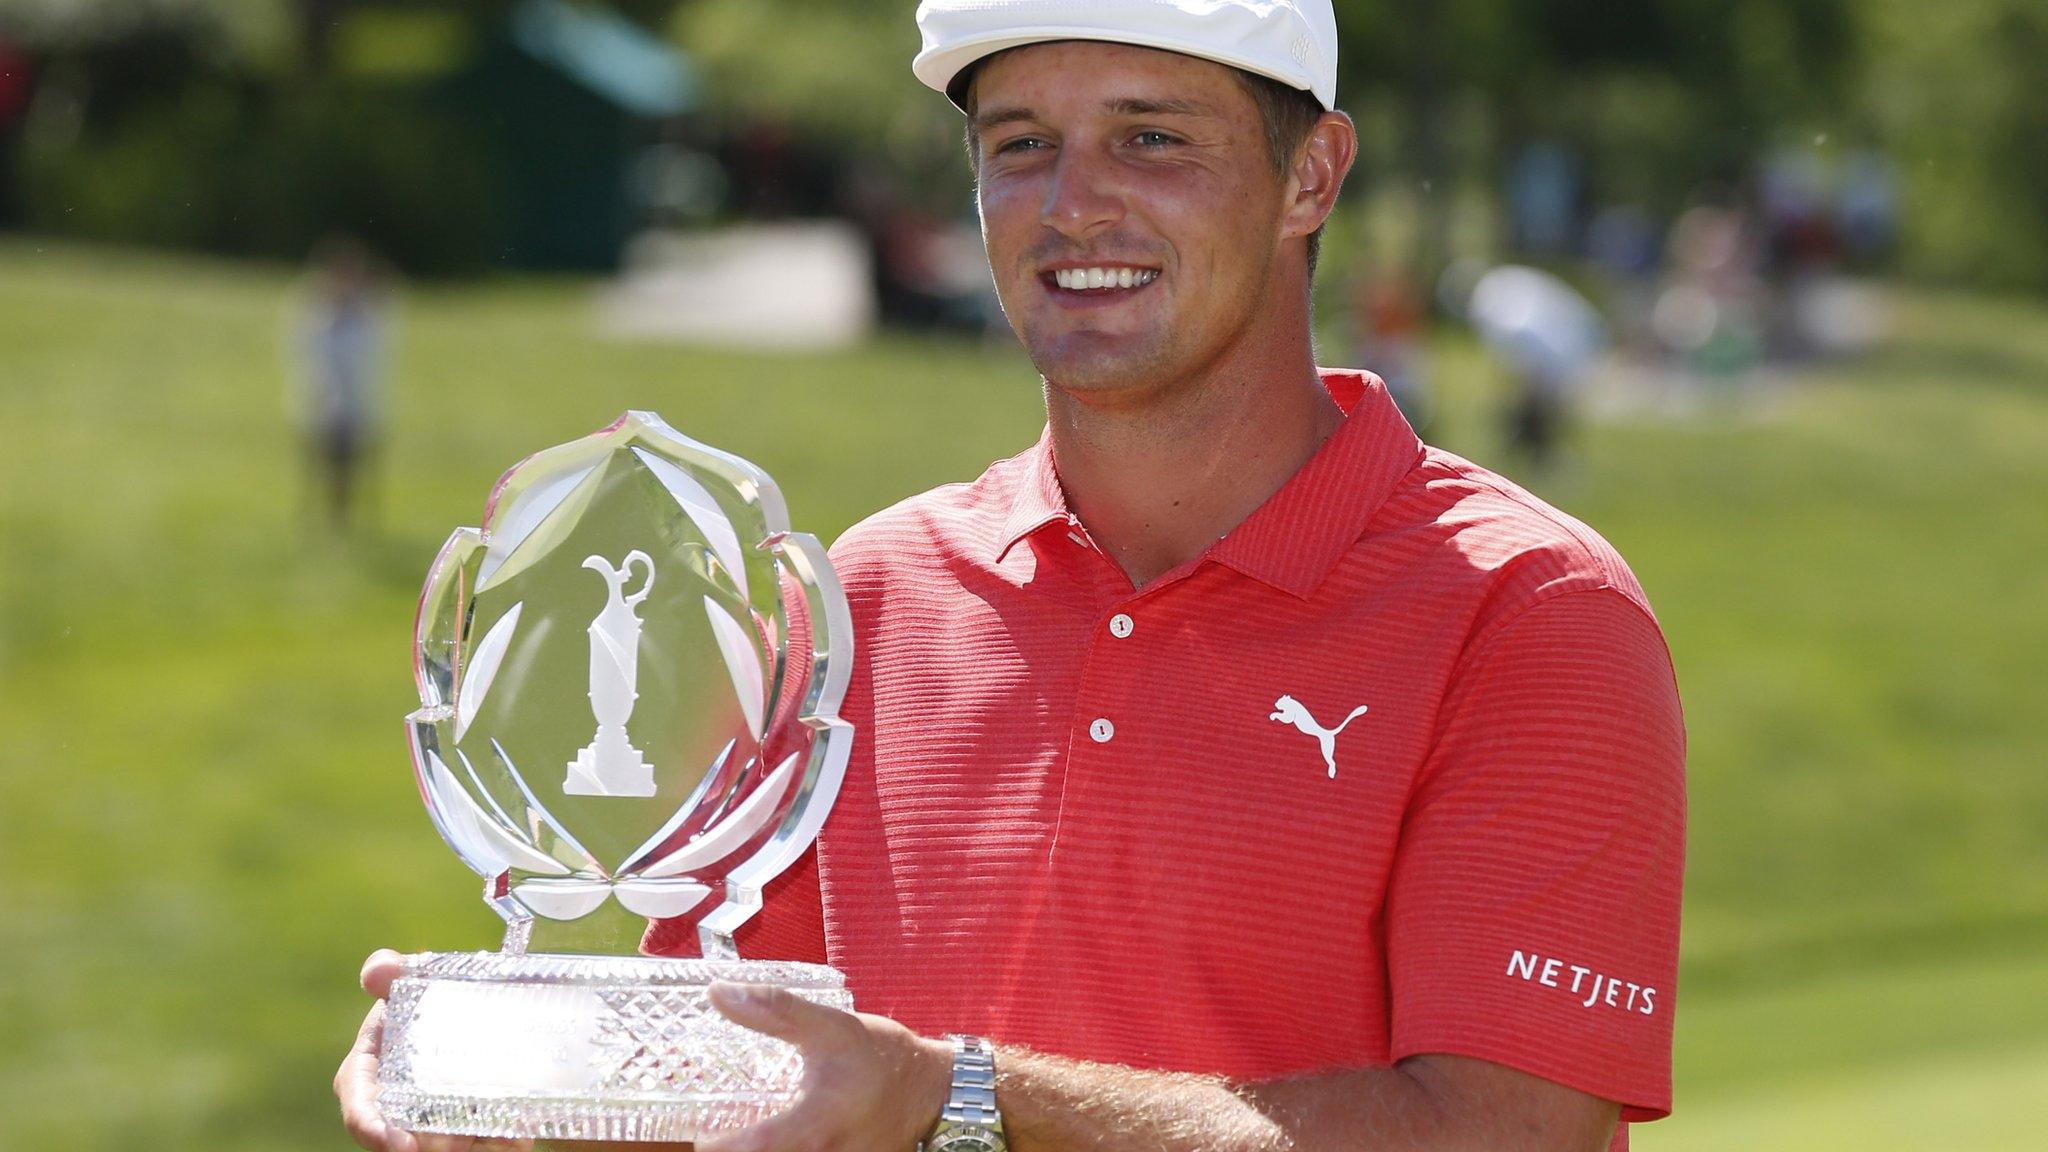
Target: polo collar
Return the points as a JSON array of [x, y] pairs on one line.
[[1296, 537], [1038, 501]]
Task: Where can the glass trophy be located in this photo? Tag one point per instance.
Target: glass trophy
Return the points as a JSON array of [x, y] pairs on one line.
[[629, 682]]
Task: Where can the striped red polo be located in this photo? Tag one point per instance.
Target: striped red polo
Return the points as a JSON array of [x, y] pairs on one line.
[[1395, 767]]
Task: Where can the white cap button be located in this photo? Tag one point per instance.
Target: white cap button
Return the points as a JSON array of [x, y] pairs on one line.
[[1101, 731], [1120, 625]]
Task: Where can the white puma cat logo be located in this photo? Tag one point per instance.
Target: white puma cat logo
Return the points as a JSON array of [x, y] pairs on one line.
[[1288, 710]]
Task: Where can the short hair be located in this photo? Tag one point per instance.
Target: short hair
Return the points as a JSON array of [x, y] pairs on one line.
[[1287, 114]]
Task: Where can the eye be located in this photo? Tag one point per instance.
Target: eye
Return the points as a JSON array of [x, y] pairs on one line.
[[1020, 144], [1154, 138]]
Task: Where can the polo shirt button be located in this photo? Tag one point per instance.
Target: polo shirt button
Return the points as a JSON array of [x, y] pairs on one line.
[[1101, 731], [1120, 625]]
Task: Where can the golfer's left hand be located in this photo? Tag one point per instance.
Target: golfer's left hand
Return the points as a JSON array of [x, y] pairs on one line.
[[870, 1084]]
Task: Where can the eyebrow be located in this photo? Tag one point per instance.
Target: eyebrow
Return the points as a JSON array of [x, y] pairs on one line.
[[1122, 106], [1130, 106]]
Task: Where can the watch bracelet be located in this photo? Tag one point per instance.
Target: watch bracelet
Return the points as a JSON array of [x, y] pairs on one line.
[[973, 1096]]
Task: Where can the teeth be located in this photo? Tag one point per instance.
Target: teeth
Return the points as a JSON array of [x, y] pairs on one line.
[[1085, 279]]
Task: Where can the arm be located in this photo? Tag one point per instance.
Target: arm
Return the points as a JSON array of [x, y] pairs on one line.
[[1425, 1102], [870, 1083]]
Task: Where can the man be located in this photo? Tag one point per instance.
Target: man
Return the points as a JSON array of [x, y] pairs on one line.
[[343, 328], [1252, 775]]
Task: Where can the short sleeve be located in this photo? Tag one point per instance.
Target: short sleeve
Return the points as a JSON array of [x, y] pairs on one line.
[[1532, 913]]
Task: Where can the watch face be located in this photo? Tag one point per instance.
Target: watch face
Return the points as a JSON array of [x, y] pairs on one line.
[[966, 1142]]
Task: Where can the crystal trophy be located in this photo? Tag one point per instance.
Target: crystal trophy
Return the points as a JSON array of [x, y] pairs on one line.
[[629, 682]]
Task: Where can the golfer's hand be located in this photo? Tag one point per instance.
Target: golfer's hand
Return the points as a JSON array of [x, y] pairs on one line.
[[870, 1084], [355, 1084]]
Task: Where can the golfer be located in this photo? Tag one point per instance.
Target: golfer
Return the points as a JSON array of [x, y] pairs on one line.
[[1234, 772]]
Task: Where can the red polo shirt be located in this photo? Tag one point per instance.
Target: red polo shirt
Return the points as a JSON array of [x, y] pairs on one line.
[[1395, 767]]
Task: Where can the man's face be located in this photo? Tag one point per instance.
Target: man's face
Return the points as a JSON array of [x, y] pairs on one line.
[[1131, 212]]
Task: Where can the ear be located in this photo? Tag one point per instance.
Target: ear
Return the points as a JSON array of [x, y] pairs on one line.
[[1318, 172]]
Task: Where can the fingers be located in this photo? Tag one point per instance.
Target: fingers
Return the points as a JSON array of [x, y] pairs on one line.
[[355, 1083], [355, 1086], [786, 1016], [776, 1012], [382, 967]]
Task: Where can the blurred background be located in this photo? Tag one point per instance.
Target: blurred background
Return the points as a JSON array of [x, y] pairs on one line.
[[1758, 288]]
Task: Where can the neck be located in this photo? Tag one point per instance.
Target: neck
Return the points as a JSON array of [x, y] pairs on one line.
[[1159, 477]]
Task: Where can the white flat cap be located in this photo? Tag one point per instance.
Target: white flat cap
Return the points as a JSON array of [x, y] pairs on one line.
[[1292, 41]]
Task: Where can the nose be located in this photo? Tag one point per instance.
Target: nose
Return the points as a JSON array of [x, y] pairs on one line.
[[1082, 197]]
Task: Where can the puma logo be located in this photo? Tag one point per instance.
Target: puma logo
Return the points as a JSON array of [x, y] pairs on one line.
[[1288, 710]]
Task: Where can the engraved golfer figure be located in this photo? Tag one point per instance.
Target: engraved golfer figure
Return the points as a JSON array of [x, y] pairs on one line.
[[609, 765]]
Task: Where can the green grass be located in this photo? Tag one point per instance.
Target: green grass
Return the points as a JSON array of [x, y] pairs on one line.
[[207, 816]]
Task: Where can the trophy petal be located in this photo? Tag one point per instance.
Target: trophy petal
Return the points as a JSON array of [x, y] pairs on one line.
[[703, 511], [456, 822], [831, 662], [509, 849], [638, 858], [440, 624], [743, 662], [483, 669], [539, 814], [522, 517], [731, 833], [569, 899], [660, 899]]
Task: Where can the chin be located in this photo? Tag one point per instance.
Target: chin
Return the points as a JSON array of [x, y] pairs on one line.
[[1099, 365]]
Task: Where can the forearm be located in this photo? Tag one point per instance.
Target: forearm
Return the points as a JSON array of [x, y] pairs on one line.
[[1436, 1104], [1051, 1104]]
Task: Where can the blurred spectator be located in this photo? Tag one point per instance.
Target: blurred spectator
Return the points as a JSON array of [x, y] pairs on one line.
[[1799, 221], [1549, 337], [1711, 312], [341, 332], [1625, 245], [17, 86], [1869, 208], [776, 172], [924, 276], [1543, 199], [1387, 324]]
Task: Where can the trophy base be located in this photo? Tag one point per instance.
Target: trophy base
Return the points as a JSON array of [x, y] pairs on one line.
[[584, 1047]]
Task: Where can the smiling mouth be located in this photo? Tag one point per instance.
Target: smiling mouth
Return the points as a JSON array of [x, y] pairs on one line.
[[1101, 280]]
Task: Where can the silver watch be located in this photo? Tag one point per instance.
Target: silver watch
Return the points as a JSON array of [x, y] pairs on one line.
[[970, 1122]]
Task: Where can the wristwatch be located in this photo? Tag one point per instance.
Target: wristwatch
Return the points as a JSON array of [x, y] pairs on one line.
[[970, 1122]]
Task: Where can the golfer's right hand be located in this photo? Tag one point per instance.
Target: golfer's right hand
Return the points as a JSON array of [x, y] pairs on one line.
[[355, 1083]]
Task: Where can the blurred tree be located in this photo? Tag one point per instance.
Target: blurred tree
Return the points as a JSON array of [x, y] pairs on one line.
[[1959, 101], [839, 64], [318, 22], [1654, 98], [1663, 94]]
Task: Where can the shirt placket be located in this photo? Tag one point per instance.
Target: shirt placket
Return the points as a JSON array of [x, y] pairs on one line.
[[1103, 726]]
